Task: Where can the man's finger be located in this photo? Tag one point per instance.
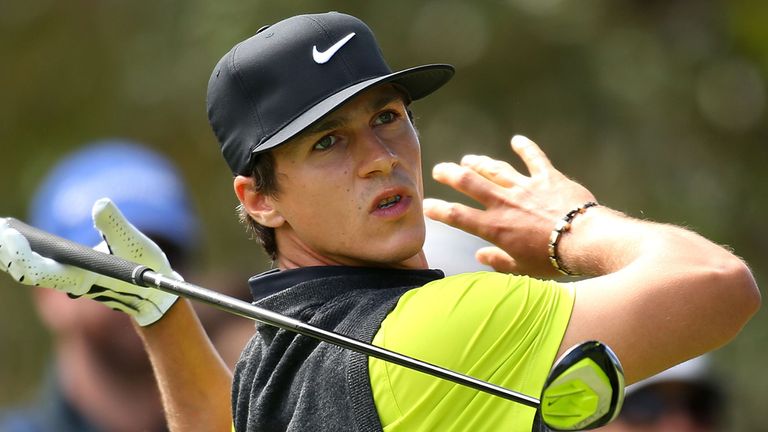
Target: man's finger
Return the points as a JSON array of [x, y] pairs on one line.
[[125, 240], [466, 181], [15, 249], [121, 237], [499, 172], [4, 261], [497, 259], [534, 158], [454, 214]]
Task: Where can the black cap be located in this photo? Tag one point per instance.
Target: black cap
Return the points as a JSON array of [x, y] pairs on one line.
[[278, 82]]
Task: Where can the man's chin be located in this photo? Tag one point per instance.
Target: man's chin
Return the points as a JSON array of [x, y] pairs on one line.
[[411, 257], [417, 262]]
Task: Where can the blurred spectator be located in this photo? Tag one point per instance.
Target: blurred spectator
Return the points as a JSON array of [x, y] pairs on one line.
[[684, 398], [100, 378], [452, 250]]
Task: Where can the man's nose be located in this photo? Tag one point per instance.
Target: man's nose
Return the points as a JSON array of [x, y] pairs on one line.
[[377, 156]]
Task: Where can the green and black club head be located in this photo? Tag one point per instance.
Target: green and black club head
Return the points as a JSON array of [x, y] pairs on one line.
[[584, 390]]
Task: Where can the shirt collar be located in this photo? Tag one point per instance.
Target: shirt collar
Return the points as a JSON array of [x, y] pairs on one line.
[[273, 281]]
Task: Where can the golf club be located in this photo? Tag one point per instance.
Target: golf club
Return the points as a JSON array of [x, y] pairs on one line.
[[584, 390]]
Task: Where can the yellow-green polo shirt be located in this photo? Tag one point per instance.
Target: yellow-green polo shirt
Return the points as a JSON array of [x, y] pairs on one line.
[[500, 328]]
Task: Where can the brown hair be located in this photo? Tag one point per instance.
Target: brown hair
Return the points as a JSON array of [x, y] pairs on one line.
[[265, 181]]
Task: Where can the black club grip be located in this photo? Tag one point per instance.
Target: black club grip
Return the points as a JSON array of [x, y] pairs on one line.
[[68, 252]]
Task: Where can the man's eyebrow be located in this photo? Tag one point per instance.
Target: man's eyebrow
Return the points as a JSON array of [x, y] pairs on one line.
[[384, 101], [335, 122], [325, 125]]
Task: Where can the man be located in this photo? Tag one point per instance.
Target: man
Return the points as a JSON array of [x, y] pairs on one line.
[[327, 167], [684, 398]]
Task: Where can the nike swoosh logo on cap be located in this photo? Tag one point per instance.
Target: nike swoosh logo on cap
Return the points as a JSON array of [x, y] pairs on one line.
[[323, 57]]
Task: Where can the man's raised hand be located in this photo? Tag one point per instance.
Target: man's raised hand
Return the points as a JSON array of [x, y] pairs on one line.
[[519, 212], [122, 239]]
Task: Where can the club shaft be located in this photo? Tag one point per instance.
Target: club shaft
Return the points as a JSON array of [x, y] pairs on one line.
[[248, 310], [68, 252]]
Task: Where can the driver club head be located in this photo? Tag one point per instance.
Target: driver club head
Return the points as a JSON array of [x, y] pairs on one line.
[[584, 390]]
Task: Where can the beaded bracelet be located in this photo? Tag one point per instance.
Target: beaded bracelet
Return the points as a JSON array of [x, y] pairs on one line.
[[562, 226]]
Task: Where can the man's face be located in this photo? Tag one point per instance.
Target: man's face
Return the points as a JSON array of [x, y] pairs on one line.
[[350, 187]]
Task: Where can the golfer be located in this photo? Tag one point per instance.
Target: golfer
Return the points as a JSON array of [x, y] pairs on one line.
[[326, 162]]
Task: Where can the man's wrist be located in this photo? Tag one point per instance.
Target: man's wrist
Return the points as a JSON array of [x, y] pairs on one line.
[[561, 228], [155, 308]]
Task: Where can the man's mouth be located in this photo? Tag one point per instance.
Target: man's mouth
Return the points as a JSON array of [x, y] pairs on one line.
[[389, 201]]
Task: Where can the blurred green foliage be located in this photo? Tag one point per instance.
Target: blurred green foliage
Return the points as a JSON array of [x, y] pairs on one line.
[[658, 106]]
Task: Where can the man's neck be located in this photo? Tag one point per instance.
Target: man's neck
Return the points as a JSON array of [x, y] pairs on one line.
[[285, 262]]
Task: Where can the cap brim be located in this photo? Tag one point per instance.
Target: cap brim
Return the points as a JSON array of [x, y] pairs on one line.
[[418, 81]]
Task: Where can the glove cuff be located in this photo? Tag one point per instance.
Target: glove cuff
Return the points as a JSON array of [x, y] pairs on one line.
[[154, 308]]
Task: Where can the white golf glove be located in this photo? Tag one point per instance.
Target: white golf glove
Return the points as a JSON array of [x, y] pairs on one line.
[[121, 239]]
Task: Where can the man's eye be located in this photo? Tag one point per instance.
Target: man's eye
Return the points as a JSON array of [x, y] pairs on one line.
[[325, 143], [385, 117]]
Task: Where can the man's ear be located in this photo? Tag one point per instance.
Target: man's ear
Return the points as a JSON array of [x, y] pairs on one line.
[[260, 206]]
